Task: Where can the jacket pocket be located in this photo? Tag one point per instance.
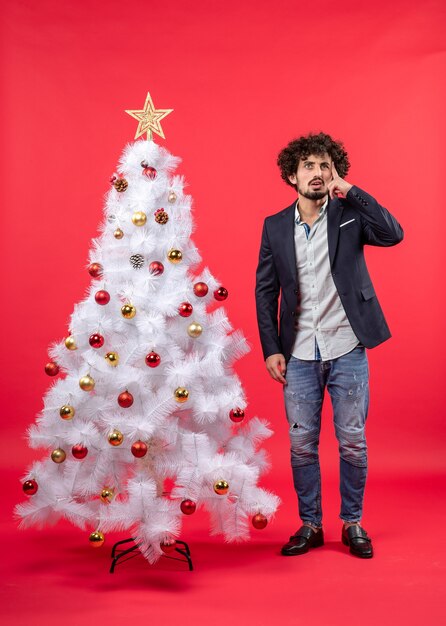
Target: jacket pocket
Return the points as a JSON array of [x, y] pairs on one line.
[[368, 292]]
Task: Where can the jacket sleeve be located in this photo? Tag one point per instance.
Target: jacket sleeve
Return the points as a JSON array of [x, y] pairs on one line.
[[379, 227], [267, 295]]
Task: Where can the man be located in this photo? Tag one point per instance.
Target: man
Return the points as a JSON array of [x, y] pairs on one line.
[[312, 259]]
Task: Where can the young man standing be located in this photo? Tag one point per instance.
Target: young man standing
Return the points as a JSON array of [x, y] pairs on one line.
[[312, 259]]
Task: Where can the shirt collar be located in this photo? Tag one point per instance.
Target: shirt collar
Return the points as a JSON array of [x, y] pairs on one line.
[[322, 211]]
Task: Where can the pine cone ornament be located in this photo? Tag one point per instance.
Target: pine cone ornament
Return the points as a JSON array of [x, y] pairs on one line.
[[161, 216], [137, 261], [120, 184]]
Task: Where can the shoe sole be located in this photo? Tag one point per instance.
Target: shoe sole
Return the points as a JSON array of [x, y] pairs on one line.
[[316, 545], [360, 556]]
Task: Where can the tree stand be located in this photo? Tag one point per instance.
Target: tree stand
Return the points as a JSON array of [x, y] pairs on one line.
[[120, 555]]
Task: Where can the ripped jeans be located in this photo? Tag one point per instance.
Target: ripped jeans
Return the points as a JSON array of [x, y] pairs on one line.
[[347, 382]]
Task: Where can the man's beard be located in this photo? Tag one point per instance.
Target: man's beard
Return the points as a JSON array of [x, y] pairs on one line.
[[313, 195]]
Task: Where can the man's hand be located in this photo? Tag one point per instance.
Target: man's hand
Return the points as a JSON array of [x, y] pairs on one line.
[[338, 185], [276, 366]]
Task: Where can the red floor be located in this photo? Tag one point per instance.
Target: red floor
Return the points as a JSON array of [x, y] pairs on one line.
[[53, 576]]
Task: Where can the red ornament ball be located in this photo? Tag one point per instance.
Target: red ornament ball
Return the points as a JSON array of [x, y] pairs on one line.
[[112, 178], [79, 451], [150, 172], [95, 270], [236, 415], [96, 340], [153, 359], [200, 289], [102, 297], [185, 309], [259, 521], [220, 294], [30, 487], [156, 268], [188, 507], [168, 546], [125, 399], [51, 368], [139, 449]]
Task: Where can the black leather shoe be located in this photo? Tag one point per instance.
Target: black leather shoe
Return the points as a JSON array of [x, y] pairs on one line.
[[358, 540], [304, 539]]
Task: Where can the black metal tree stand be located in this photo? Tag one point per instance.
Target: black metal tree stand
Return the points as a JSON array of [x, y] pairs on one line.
[[120, 555]]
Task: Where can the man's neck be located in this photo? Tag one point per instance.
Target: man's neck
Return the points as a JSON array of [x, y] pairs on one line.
[[309, 209]]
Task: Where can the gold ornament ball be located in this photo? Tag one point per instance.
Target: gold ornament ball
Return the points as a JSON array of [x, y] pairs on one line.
[[175, 256], [221, 487], [86, 383], [107, 495], [67, 412], [115, 438], [181, 394], [172, 197], [128, 311], [112, 358], [139, 218], [70, 343], [58, 455], [118, 234], [194, 330], [96, 539]]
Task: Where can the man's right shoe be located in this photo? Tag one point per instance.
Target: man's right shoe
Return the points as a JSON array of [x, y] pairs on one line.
[[304, 539]]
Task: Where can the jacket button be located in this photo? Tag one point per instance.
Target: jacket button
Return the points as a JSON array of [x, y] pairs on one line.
[[296, 291], [293, 313]]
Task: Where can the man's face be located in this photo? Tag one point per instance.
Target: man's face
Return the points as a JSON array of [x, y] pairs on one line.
[[312, 176]]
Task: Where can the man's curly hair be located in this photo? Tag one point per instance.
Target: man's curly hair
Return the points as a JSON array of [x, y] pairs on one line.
[[301, 148]]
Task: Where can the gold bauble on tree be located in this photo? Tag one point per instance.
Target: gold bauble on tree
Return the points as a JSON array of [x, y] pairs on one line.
[[128, 311], [70, 343], [58, 455], [67, 412], [115, 438], [96, 539], [112, 358], [175, 256], [139, 218], [107, 495], [172, 197], [221, 487], [194, 330], [181, 394], [118, 234], [86, 383]]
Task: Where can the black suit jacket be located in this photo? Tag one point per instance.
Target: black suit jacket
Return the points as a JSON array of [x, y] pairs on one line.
[[368, 223]]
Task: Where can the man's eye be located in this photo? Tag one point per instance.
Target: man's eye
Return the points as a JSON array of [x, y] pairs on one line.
[[308, 165]]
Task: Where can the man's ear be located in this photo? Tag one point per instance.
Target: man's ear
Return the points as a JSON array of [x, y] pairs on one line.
[[293, 179]]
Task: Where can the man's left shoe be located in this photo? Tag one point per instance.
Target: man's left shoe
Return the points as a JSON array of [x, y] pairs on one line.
[[358, 540]]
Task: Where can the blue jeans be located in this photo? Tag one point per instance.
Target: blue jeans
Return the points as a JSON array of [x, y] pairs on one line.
[[347, 382]]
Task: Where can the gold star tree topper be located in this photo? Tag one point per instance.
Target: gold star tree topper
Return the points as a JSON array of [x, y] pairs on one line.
[[149, 119]]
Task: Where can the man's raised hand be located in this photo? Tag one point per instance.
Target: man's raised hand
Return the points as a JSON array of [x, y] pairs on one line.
[[338, 185]]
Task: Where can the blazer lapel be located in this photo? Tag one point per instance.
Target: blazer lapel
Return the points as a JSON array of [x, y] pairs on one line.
[[334, 215], [288, 219]]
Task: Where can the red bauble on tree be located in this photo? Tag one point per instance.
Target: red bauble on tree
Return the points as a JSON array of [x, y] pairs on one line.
[[139, 449], [237, 415], [30, 487], [79, 451], [168, 545], [156, 268], [125, 399], [150, 172], [51, 368], [200, 289], [96, 340], [153, 359], [95, 270], [188, 507], [220, 294], [185, 309], [102, 297], [259, 521]]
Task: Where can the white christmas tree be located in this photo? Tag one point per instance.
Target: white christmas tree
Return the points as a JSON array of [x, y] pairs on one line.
[[148, 391]]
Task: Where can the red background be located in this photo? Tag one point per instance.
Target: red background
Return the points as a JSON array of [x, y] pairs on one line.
[[243, 79]]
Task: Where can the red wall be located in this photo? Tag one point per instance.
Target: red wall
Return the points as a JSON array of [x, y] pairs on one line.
[[243, 79]]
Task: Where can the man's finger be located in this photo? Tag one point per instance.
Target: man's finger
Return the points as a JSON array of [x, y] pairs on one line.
[[334, 171]]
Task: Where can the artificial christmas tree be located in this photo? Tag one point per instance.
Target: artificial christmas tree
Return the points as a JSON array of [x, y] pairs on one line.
[[146, 391]]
